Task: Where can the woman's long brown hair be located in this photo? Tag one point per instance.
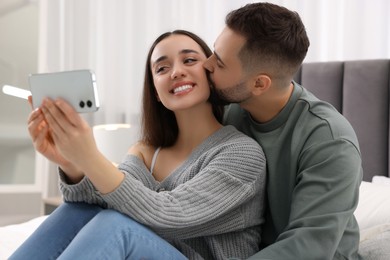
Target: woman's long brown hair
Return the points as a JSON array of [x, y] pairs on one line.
[[158, 124]]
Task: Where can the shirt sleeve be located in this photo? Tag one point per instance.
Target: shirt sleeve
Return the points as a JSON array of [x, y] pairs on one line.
[[322, 206]]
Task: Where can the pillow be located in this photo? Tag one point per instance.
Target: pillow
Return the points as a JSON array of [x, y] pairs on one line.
[[374, 205], [381, 180]]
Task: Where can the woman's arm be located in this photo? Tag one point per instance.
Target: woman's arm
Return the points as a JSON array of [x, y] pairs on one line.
[[214, 189], [211, 199]]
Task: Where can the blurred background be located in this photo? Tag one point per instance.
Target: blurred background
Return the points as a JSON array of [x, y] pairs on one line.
[[112, 39]]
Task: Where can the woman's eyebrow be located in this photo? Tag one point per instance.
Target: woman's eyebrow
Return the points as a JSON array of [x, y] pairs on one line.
[[185, 51], [160, 59]]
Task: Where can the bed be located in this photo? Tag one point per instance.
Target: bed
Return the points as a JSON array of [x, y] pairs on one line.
[[373, 215], [12, 236], [360, 91]]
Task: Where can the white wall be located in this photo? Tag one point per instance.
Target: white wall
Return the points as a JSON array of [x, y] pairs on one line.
[[18, 58], [19, 189]]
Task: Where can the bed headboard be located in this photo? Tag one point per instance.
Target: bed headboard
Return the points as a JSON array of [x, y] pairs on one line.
[[360, 91]]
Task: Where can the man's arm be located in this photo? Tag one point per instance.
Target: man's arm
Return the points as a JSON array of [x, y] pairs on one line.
[[321, 223]]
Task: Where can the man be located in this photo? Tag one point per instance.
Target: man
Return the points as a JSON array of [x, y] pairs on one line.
[[313, 157]]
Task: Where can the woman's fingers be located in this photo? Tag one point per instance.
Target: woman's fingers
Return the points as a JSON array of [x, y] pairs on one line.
[[55, 118], [35, 123], [29, 99], [73, 117], [38, 130], [34, 114], [65, 124], [67, 131], [42, 139]]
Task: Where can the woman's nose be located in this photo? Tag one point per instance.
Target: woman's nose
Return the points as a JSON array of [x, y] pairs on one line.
[[177, 72]]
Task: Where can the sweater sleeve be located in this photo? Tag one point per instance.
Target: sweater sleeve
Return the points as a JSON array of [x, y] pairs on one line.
[[206, 204], [84, 191], [322, 206]]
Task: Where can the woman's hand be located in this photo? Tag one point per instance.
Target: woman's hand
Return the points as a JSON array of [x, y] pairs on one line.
[[41, 136], [71, 134], [74, 139]]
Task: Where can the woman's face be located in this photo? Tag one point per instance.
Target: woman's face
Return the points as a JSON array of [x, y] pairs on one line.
[[178, 73]]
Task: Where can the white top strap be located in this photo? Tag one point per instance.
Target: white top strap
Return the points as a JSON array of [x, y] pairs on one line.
[[154, 159]]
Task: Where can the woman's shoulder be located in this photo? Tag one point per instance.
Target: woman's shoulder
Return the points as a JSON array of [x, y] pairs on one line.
[[143, 151], [231, 135], [232, 132], [234, 146]]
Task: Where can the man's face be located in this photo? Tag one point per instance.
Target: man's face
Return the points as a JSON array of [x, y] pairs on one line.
[[226, 72]]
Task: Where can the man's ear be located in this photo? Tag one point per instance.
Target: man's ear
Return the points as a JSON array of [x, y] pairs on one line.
[[261, 84]]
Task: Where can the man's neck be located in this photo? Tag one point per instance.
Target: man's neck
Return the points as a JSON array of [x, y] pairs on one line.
[[267, 106]]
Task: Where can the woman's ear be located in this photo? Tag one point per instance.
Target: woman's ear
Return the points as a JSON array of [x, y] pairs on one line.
[[262, 84]]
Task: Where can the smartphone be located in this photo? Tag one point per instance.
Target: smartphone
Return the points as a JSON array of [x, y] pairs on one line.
[[77, 87]]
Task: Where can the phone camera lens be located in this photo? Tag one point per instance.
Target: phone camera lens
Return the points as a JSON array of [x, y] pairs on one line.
[[89, 103], [82, 104]]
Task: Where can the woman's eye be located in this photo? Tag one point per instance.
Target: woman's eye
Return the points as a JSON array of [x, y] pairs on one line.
[[190, 60], [161, 69]]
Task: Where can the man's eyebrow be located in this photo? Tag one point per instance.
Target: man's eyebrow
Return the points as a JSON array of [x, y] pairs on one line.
[[219, 58]]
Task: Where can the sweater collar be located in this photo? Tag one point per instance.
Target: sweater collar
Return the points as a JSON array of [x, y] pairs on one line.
[[283, 115]]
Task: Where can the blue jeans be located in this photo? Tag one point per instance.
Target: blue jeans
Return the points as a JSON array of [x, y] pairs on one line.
[[83, 231]]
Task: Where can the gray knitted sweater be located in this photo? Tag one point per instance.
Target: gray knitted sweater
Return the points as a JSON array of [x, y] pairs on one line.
[[210, 207]]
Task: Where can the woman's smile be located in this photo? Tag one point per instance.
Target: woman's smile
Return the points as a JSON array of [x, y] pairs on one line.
[[182, 89]]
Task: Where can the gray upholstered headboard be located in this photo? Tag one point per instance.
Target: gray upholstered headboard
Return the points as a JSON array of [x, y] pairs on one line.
[[360, 91]]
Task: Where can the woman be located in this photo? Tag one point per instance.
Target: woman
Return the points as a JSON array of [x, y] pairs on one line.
[[193, 182]]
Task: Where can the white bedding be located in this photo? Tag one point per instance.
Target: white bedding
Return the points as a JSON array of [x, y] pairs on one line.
[[12, 236], [372, 214]]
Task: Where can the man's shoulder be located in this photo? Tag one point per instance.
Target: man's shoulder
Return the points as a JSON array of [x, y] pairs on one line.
[[322, 112]]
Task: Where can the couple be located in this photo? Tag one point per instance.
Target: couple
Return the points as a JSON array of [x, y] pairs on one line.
[[193, 188]]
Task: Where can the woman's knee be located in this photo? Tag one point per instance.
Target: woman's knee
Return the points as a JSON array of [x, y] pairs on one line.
[[74, 207], [115, 220], [74, 213], [115, 217]]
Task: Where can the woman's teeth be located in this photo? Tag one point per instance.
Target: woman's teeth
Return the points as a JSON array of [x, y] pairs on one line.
[[182, 88]]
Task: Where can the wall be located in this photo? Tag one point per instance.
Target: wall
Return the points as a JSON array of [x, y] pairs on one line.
[[20, 195]]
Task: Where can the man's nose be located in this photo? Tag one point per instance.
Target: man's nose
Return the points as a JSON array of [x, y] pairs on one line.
[[207, 65]]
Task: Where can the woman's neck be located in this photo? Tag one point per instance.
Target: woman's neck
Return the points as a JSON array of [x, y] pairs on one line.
[[195, 126]]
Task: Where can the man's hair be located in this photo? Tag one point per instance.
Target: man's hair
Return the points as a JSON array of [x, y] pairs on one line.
[[159, 127], [275, 38]]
